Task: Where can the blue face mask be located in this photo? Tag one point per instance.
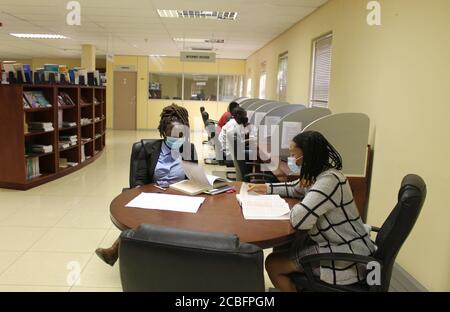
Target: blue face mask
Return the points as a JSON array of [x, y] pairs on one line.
[[175, 143], [292, 164]]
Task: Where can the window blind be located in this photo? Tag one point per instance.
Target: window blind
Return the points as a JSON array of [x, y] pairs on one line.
[[321, 71], [282, 77]]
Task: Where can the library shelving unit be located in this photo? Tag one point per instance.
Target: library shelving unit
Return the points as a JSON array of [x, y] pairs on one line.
[[90, 103]]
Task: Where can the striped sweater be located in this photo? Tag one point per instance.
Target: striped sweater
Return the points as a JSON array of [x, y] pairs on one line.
[[329, 214]]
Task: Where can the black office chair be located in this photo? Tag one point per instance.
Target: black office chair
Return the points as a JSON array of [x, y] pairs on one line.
[[138, 161], [155, 258], [390, 239], [241, 160]]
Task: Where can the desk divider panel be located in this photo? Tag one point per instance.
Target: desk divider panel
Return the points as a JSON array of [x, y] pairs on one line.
[[245, 104], [294, 123], [349, 134], [261, 112]]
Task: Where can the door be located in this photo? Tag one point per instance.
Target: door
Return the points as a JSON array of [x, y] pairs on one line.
[[125, 90]]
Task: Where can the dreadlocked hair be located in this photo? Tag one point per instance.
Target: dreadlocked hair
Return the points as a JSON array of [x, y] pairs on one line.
[[172, 113], [318, 155]]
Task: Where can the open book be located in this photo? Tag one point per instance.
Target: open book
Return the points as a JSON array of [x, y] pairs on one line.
[[200, 182], [262, 207]]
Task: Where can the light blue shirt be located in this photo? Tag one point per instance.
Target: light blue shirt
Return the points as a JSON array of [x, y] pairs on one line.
[[168, 170]]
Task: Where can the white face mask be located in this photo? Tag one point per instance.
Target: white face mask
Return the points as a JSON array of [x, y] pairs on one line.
[[292, 164]]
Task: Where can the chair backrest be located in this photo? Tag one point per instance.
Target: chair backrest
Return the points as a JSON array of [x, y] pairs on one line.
[[154, 258], [138, 160], [238, 154], [399, 224]]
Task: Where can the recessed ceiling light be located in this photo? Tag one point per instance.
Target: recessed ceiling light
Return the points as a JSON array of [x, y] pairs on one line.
[[39, 36], [214, 15], [195, 40]]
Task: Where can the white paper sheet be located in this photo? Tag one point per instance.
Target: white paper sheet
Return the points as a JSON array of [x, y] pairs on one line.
[[289, 131], [262, 207], [166, 202]]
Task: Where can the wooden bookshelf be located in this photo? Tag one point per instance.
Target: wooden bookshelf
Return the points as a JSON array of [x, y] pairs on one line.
[[14, 142]]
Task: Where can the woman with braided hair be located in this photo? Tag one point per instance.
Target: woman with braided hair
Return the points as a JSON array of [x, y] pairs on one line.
[[326, 216], [163, 158]]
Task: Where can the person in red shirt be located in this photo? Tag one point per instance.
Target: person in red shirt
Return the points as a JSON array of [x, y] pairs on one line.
[[225, 117]]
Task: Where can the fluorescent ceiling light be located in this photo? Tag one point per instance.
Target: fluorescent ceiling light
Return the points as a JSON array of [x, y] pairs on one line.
[[214, 15], [157, 55], [195, 40], [39, 36], [9, 62]]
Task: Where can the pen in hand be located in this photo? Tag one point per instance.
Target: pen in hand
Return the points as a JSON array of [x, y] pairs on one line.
[[161, 188]]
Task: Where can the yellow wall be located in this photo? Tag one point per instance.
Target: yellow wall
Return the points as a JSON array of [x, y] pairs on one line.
[[214, 109], [148, 111], [398, 74], [174, 65]]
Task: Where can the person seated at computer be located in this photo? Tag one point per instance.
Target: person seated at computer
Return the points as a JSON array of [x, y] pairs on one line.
[[237, 124], [164, 161], [327, 217], [225, 117]]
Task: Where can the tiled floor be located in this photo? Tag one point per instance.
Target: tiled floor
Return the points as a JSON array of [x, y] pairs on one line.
[[49, 234]]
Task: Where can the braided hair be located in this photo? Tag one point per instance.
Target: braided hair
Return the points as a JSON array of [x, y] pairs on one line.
[[172, 113], [318, 155]]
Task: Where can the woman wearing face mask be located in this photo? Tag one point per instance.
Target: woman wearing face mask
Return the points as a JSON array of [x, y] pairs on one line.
[[327, 217], [164, 158], [238, 124]]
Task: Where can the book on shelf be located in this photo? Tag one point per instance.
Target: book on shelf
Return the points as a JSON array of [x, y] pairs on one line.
[[97, 135], [64, 99], [63, 145], [60, 118], [97, 119], [68, 124], [85, 121], [85, 140], [25, 103], [64, 163], [39, 148], [33, 169], [36, 99], [83, 153], [68, 139], [40, 126], [96, 101]]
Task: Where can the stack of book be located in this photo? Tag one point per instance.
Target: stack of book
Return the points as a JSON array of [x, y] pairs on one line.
[[66, 141], [65, 100], [35, 99], [33, 170], [39, 148], [64, 163], [85, 140], [68, 124], [40, 126], [97, 119], [85, 121]]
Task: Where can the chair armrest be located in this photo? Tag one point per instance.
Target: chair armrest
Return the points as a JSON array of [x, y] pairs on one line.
[[307, 261], [375, 229], [262, 177], [337, 257]]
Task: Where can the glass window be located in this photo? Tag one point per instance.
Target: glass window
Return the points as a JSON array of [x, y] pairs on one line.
[[321, 71], [200, 87], [165, 86], [249, 88], [262, 85], [282, 77], [230, 87]]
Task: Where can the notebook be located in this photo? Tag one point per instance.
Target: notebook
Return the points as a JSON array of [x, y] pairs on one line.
[[262, 207], [198, 181]]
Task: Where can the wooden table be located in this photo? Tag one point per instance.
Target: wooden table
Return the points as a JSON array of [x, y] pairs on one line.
[[219, 213]]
